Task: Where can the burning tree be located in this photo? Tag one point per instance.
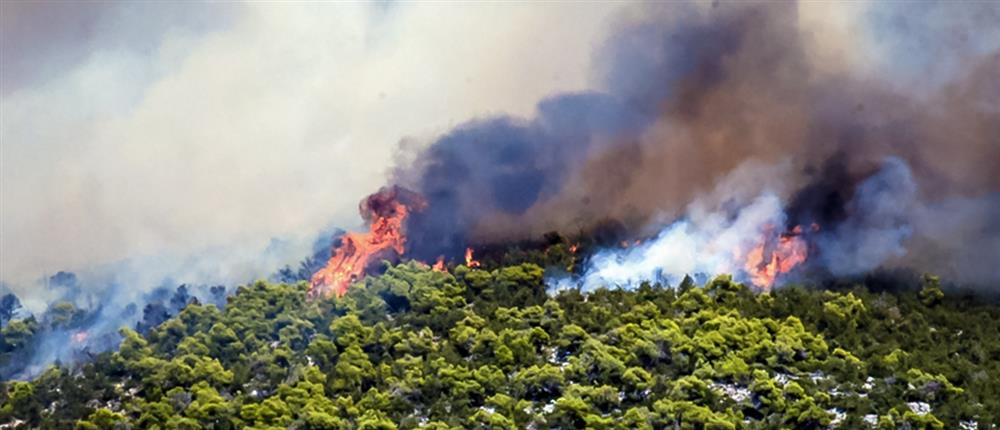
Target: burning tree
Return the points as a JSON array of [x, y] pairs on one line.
[[385, 212], [774, 255]]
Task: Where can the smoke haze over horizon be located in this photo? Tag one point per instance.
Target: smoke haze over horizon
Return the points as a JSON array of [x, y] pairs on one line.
[[212, 143], [149, 135]]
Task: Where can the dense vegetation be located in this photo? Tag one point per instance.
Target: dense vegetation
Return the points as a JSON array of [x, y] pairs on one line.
[[480, 348]]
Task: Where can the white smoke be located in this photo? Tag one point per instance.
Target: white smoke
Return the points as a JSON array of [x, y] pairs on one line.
[[701, 243], [166, 136], [716, 233]]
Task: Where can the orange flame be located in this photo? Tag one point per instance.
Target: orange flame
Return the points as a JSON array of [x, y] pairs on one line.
[[469, 261], [769, 258], [385, 212], [439, 265]]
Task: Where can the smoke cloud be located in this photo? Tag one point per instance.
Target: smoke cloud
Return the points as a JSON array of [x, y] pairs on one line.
[[878, 223], [701, 244], [149, 145], [692, 94], [151, 136]]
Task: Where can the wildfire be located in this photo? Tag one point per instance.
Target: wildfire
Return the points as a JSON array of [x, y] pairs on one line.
[[770, 258], [80, 337], [385, 212], [439, 265], [469, 261]]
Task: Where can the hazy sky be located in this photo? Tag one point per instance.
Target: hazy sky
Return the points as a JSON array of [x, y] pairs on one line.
[[165, 132], [146, 128]]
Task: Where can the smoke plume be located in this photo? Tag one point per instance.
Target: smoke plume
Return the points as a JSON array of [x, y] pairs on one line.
[[713, 131], [693, 94], [155, 135]]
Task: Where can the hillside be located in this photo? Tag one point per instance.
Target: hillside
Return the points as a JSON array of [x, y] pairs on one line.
[[493, 348], [669, 215]]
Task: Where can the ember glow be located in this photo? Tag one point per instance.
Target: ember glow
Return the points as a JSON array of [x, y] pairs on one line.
[[385, 212], [80, 337]]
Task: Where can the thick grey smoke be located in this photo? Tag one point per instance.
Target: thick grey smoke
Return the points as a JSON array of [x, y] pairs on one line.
[[878, 223], [713, 238], [691, 93], [145, 145], [154, 135], [167, 153]]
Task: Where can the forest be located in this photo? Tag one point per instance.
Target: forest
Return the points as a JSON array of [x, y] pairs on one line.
[[493, 347]]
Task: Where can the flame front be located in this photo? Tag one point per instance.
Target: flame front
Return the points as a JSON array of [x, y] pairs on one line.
[[774, 255], [386, 212]]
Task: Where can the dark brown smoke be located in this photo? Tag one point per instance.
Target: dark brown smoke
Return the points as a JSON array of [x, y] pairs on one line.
[[698, 95]]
